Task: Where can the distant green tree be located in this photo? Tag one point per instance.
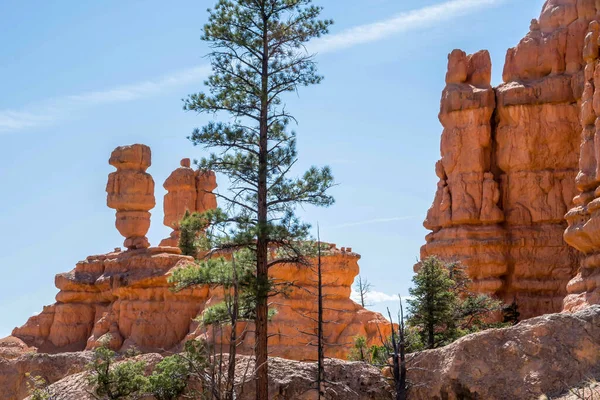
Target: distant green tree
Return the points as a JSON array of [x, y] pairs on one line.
[[376, 355], [432, 302], [360, 350], [124, 380], [443, 308], [473, 311], [258, 55]]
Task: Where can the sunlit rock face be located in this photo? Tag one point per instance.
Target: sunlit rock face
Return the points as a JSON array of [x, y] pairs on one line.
[[124, 297], [511, 159]]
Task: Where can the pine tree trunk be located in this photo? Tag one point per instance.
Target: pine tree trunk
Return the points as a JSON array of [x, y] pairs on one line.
[[262, 245], [261, 336], [229, 394], [321, 351], [431, 336]]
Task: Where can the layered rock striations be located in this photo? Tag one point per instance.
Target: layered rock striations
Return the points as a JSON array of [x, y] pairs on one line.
[[515, 157], [124, 297]]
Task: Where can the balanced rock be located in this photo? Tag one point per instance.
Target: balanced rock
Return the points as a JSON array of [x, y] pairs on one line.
[[130, 190]]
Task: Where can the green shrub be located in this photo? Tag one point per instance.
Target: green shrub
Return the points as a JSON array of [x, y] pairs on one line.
[[112, 381], [169, 380]]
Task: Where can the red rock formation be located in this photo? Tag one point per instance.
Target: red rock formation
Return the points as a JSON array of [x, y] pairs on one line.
[[517, 156], [125, 297], [297, 310], [131, 192], [187, 190]]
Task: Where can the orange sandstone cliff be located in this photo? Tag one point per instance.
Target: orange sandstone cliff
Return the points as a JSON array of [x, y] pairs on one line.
[[124, 296], [510, 164]]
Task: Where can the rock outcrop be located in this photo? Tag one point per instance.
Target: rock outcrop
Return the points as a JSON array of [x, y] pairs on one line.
[[465, 216], [510, 158], [543, 355], [187, 191], [51, 367], [288, 380], [125, 296]]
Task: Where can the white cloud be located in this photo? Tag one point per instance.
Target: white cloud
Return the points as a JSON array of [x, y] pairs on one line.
[[406, 21], [376, 297], [143, 89], [373, 221], [53, 110], [11, 120]]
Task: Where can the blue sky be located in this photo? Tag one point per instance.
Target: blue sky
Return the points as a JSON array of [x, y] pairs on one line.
[[80, 78]]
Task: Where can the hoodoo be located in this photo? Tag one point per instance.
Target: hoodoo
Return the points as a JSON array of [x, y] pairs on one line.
[[187, 191], [130, 190]]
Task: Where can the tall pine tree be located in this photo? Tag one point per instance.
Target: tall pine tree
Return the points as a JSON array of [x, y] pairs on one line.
[[258, 54]]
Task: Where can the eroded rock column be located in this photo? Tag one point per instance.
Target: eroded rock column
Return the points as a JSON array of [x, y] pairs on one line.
[[130, 191], [465, 216], [187, 190], [583, 231]]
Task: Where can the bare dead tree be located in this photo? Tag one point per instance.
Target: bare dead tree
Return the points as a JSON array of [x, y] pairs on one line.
[[399, 354], [317, 317], [363, 287]]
